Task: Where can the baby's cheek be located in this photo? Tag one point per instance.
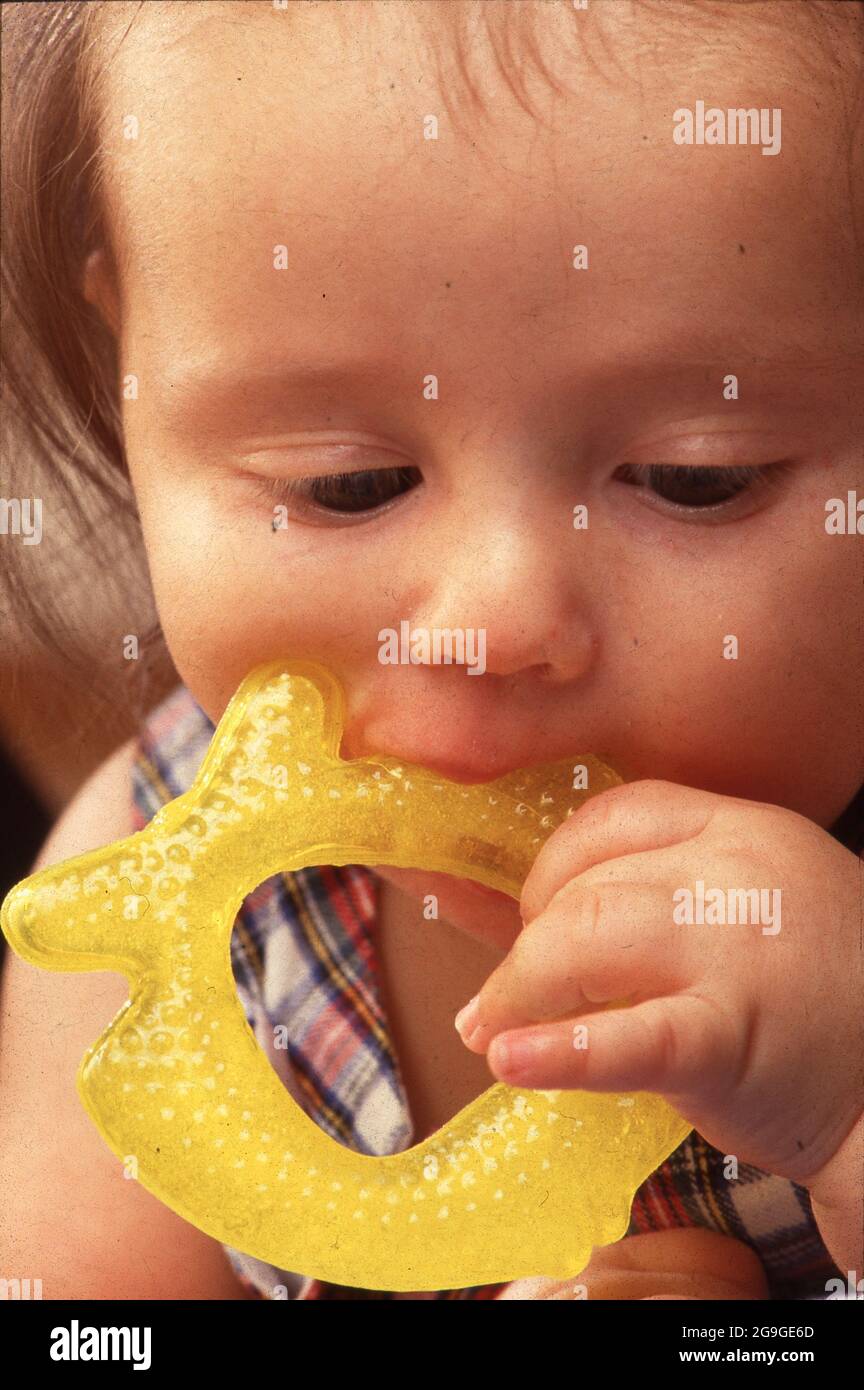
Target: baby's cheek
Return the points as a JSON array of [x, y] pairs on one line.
[[222, 603], [212, 625], [742, 678], [806, 672]]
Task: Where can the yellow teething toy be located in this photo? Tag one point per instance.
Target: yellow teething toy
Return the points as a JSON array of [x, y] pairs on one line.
[[519, 1182]]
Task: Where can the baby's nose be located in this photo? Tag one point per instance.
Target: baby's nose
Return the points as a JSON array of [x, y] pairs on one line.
[[511, 581]]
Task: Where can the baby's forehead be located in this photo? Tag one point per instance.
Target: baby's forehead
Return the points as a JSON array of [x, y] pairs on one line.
[[471, 45], [478, 69], [379, 131]]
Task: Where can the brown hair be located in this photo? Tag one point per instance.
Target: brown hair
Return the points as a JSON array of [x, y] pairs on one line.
[[62, 423], [59, 359]]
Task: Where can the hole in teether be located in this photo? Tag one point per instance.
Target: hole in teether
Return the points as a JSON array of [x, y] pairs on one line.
[[324, 995], [302, 958]]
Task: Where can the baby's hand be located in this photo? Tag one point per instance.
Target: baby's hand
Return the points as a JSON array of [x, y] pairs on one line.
[[754, 1032], [685, 1263]]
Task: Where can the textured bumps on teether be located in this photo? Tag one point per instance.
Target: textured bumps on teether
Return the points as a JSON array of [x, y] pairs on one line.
[[519, 1182]]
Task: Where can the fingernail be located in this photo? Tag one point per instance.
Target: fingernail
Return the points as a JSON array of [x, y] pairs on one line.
[[466, 1019]]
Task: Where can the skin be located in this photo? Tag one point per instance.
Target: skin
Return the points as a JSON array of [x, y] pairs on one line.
[[408, 257]]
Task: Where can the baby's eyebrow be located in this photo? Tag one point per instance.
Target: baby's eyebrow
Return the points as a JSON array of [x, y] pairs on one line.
[[271, 376], [232, 398], [243, 391], [359, 374]]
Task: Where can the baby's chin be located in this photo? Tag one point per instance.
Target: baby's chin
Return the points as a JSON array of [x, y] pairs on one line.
[[480, 912]]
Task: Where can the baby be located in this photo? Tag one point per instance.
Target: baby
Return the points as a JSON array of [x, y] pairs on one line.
[[543, 321]]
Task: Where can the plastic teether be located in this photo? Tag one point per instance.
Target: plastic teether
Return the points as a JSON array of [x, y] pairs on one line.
[[519, 1182]]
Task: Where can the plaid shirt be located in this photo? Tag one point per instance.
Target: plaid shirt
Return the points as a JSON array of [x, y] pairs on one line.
[[303, 956]]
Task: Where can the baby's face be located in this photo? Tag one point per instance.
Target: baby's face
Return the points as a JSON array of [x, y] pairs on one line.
[[558, 387]]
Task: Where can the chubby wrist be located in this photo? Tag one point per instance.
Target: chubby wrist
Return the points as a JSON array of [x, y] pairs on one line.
[[837, 1199]]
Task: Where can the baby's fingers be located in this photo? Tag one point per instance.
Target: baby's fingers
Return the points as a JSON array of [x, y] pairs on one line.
[[597, 942], [679, 1046], [681, 1263]]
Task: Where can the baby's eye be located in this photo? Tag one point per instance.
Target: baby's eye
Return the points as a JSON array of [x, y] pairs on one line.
[[695, 488], [343, 494]]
